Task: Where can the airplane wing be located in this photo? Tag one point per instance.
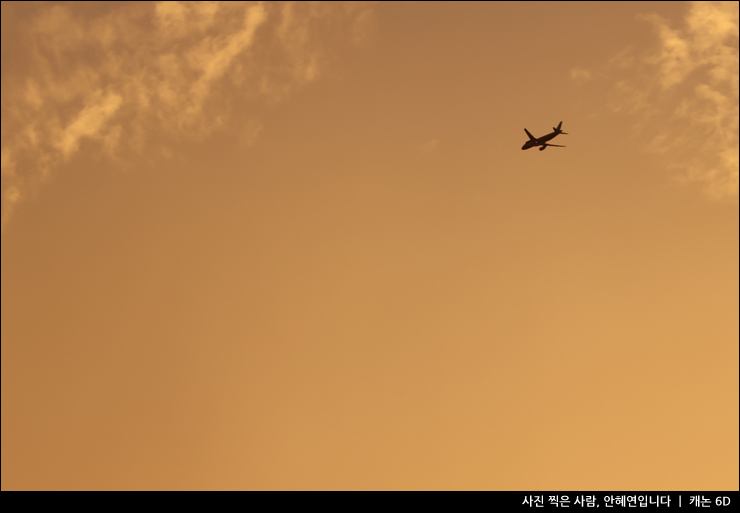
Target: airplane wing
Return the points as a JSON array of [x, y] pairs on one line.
[[531, 138], [558, 145]]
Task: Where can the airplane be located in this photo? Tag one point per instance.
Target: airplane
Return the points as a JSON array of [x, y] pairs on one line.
[[542, 141]]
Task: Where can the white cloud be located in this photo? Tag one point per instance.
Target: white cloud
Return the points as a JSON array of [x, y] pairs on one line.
[[687, 93], [7, 164], [213, 60], [89, 122], [251, 130], [430, 147], [180, 69], [579, 75]]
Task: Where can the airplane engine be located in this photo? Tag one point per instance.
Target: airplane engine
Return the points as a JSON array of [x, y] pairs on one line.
[[543, 147]]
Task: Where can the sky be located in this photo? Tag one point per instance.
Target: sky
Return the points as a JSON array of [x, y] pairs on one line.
[[283, 246]]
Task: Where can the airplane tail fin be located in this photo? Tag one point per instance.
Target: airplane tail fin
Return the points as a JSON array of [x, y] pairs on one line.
[[558, 128]]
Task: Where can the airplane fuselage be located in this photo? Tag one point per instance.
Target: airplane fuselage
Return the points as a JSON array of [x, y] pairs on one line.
[[540, 140]]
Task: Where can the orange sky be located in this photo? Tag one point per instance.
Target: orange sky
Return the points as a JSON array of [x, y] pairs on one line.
[[289, 246]]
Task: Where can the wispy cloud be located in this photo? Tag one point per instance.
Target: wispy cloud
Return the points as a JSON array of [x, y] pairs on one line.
[[579, 75], [89, 122], [174, 69], [687, 92], [430, 147]]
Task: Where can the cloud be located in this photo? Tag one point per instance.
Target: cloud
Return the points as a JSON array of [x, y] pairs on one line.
[[213, 59], [429, 147], [123, 76], [579, 75], [89, 122], [687, 92], [251, 130]]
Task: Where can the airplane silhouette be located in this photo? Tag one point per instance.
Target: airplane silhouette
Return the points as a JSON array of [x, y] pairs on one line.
[[542, 141]]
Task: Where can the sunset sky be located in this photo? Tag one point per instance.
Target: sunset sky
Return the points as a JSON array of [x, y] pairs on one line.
[[298, 246]]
